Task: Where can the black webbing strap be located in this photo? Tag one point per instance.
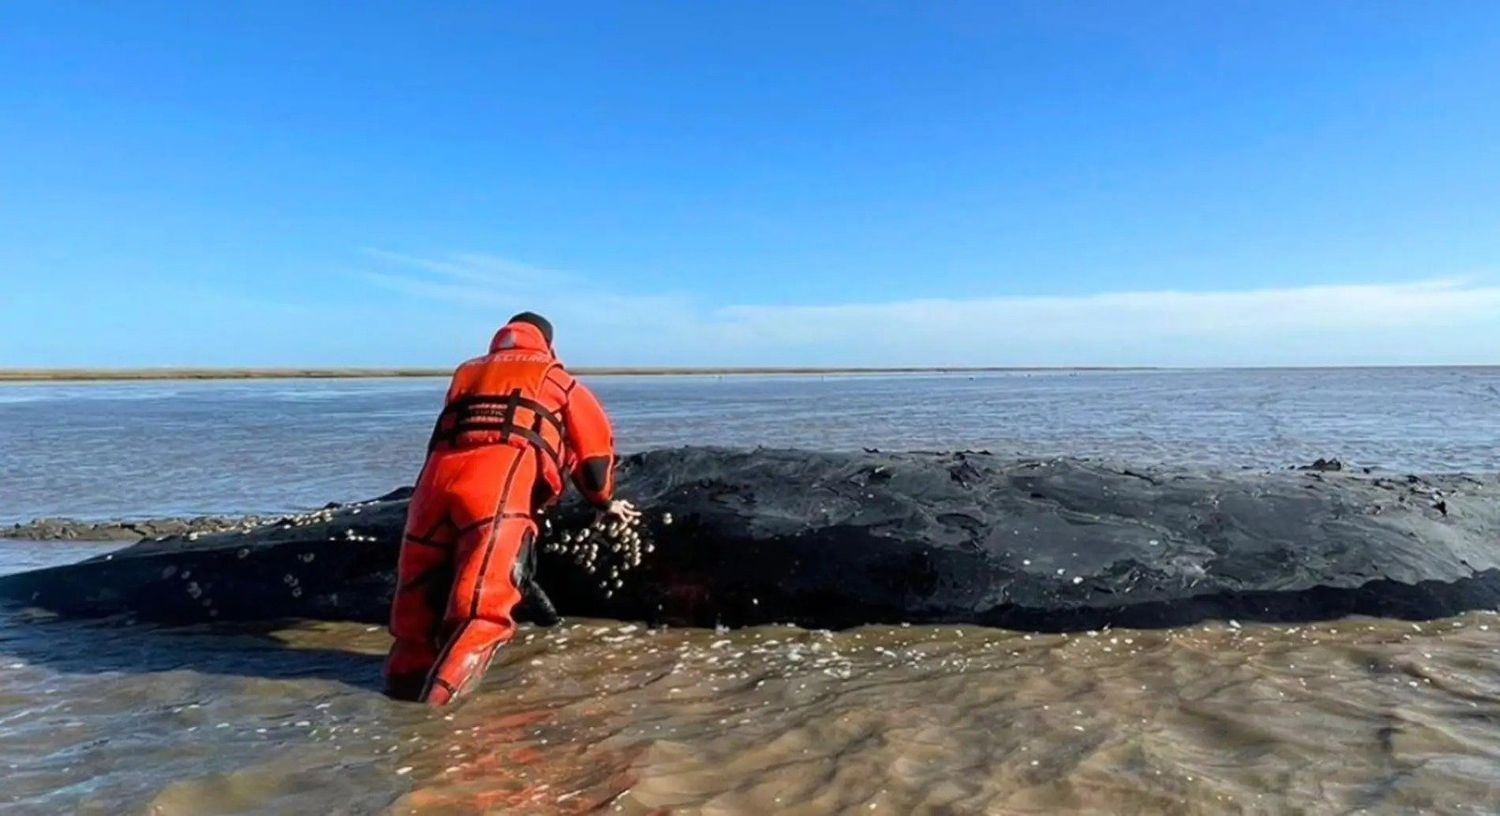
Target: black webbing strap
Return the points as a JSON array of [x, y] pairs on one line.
[[508, 430], [464, 408], [510, 414], [469, 415]]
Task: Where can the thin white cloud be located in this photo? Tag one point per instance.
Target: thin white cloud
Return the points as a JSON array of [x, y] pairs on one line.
[[1321, 308], [1437, 320], [488, 273]]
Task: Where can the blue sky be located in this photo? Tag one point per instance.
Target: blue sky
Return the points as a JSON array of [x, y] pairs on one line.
[[300, 183]]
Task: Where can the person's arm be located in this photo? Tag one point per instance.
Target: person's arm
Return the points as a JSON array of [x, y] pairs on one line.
[[592, 444], [591, 441]]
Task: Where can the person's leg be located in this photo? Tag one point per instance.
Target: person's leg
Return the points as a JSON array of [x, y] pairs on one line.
[[424, 580], [492, 549]]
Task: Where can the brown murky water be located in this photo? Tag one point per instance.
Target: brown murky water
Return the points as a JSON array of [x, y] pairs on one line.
[[1341, 717], [598, 716]]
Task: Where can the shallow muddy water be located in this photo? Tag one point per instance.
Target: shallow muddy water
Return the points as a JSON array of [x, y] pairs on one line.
[[1346, 716], [1350, 716], [141, 450]]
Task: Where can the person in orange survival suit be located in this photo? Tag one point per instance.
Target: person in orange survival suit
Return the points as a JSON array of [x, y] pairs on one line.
[[514, 423]]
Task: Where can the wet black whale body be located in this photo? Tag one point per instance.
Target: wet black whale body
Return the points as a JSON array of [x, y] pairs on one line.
[[742, 537]]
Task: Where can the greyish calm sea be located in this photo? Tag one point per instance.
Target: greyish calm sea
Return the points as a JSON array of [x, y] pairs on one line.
[[1342, 716]]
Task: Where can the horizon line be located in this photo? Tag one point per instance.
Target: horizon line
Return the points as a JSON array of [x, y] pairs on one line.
[[163, 373]]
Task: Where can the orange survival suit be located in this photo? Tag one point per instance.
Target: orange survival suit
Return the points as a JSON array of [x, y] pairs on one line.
[[515, 421]]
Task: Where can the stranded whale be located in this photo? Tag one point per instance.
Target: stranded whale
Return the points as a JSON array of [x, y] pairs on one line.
[[819, 539]]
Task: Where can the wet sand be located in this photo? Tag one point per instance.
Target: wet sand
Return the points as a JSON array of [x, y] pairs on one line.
[[1352, 716]]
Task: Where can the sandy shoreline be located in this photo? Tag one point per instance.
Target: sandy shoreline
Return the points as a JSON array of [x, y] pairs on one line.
[[150, 374]]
